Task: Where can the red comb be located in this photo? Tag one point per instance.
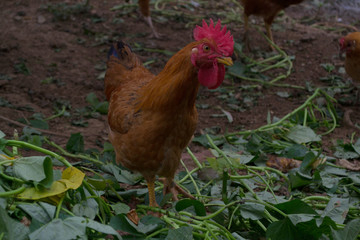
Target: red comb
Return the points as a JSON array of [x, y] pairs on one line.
[[342, 43], [223, 39]]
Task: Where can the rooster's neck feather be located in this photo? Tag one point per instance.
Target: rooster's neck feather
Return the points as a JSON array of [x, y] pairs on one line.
[[176, 85]]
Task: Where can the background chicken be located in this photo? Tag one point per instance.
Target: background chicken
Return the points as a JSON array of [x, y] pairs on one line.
[[268, 9], [351, 45], [144, 6], [152, 118]]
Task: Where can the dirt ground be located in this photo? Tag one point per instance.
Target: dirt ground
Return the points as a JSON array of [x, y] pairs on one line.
[[51, 58]]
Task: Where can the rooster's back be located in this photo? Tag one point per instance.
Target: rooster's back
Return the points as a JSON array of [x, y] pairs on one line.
[[124, 68]]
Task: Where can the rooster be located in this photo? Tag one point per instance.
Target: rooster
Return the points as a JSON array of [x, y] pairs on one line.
[[144, 6], [152, 118], [350, 44], [268, 9]]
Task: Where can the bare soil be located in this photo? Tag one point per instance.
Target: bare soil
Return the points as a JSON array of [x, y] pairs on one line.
[[65, 55]]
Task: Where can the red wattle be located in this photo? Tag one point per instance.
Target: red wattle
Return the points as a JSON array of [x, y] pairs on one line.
[[212, 77]]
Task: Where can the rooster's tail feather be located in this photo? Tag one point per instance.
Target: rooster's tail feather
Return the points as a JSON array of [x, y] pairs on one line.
[[121, 60]]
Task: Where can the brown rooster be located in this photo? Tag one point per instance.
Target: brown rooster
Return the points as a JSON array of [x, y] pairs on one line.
[[144, 6], [268, 9], [351, 45], [152, 118]]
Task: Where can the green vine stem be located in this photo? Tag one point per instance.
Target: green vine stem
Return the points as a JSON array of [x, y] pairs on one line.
[[191, 178], [81, 156], [38, 149], [271, 126], [59, 206], [62, 111], [193, 157], [13, 192]]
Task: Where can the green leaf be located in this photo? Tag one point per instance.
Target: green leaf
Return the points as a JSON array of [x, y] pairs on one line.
[[297, 180], [308, 225], [75, 143], [122, 175], [337, 209], [102, 107], [237, 69], [350, 232], [120, 208], [302, 134], [70, 228], [100, 184], [36, 169], [42, 212], [39, 123], [2, 134], [102, 228], [306, 165], [185, 203], [295, 206], [11, 229], [221, 164], [296, 151], [120, 222], [92, 99], [182, 233], [3, 201], [299, 218], [84, 210], [283, 230], [252, 211], [202, 140]]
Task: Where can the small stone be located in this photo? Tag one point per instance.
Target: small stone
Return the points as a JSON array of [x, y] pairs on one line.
[[41, 19]]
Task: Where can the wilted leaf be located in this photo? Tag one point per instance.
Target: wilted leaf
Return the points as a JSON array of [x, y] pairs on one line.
[[71, 179], [282, 163], [353, 166], [228, 115], [283, 94]]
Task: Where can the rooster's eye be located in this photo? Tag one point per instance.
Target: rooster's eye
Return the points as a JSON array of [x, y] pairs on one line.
[[206, 48]]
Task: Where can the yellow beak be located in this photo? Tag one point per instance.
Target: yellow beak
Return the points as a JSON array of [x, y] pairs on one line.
[[225, 60]]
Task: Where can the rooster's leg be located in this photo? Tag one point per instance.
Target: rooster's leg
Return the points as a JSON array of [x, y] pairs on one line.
[[269, 33], [171, 187], [151, 188], [246, 32], [149, 22]]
